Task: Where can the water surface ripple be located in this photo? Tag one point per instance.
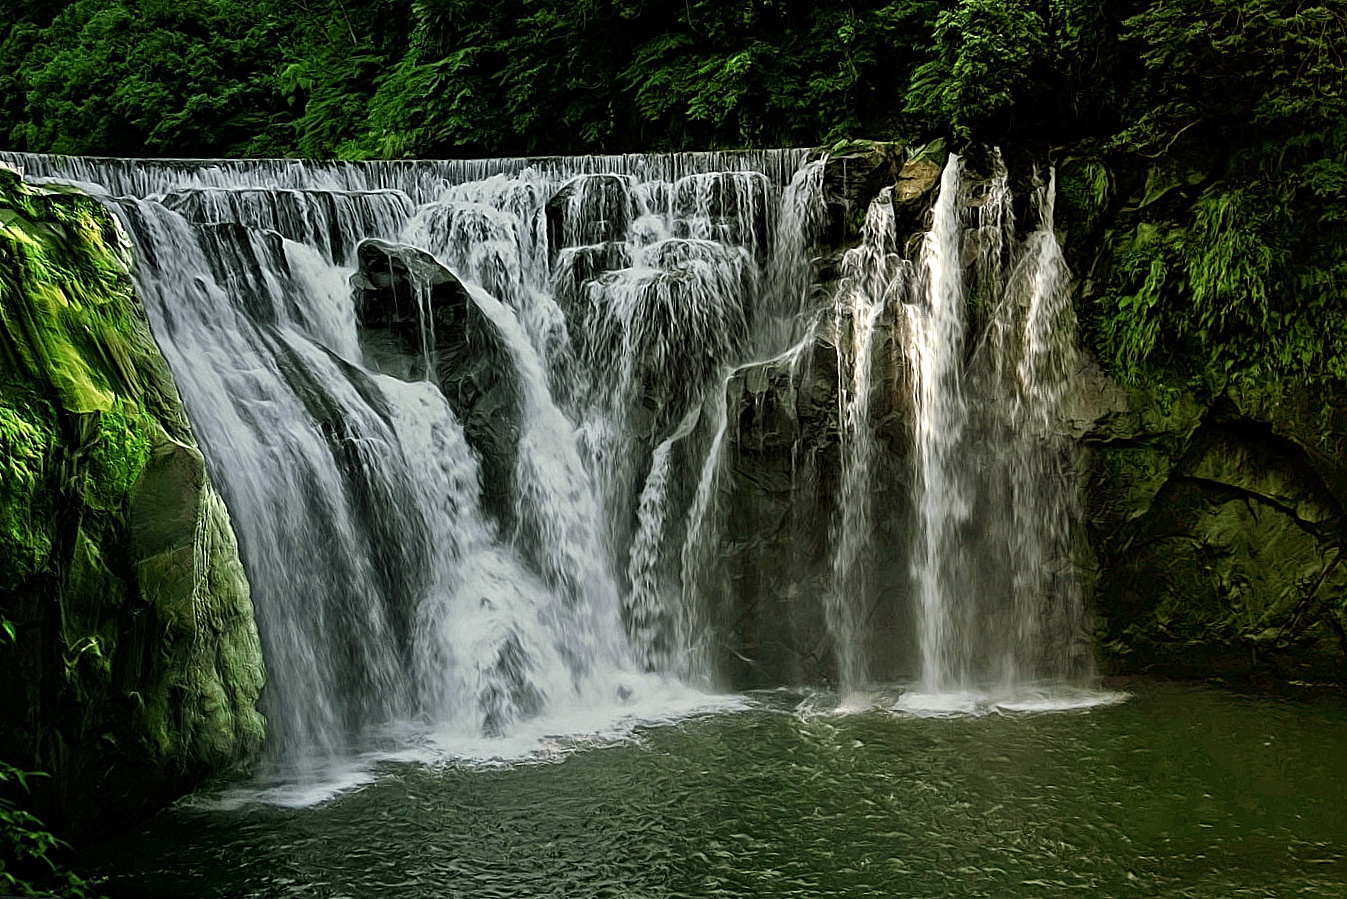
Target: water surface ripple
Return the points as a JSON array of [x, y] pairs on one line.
[[1178, 792]]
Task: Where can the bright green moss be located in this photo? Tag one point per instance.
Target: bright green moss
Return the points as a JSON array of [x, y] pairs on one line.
[[116, 457], [151, 665], [27, 440], [67, 314]]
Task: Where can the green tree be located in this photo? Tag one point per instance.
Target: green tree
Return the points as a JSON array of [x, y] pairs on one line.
[[152, 77], [1234, 260]]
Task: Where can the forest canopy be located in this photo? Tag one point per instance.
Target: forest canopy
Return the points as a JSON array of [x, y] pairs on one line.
[[405, 78], [1201, 144]]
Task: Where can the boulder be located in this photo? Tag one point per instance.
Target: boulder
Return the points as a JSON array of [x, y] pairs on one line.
[[1218, 526], [417, 321]]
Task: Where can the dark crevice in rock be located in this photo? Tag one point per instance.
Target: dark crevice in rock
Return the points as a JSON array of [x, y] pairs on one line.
[[418, 321], [1224, 492]]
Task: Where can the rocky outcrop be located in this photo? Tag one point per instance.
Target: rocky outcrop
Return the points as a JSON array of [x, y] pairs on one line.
[[416, 321], [134, 664], [777, 508], [1218, 528], [858, 171], [588, 210], [782, 515]]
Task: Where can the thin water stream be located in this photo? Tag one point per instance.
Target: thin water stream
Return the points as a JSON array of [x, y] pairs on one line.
[[1178, 792]]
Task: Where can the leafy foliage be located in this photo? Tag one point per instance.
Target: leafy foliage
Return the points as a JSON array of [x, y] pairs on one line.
[[1226, 65], [1231, 262], [25, 515], [395, 78], [28, 864], [133, 77], [610, 75], [989, 53]]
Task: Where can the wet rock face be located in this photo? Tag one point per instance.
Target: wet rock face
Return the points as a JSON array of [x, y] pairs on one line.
[[588, 210], [185, 558], [777, 508], [781, 517], [311, 217], [785, 458], [1218, 526], [136, 663], [857, 174], [418, 321]]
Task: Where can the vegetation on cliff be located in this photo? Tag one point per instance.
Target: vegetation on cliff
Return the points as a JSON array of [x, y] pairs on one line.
[[130, 661]]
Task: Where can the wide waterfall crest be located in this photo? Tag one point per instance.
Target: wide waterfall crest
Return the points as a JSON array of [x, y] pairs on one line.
[[464, 558]]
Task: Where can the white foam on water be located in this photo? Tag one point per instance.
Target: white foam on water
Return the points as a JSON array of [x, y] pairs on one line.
[[650, 701], [653, 701], [1021, 700]]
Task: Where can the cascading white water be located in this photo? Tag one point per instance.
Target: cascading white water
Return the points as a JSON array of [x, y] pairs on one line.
[[1029, 377], [790, 272], [622, 292], [999, 608], [935, 350], [271, 395], [386, 590], [874, 278]]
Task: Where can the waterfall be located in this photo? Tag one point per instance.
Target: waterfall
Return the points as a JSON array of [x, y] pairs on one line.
[[999, 608], [471, 421], [935, 350], [874, 278], [389, 586], [1028, 378]]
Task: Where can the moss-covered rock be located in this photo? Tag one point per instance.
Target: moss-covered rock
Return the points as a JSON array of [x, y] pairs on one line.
[[1218, 523], [135, 665]]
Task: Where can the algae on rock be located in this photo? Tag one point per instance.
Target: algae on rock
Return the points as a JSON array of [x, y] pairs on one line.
[[135, 665], [1219, 528]]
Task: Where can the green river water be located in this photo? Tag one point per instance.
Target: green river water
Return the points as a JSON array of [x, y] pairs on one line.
[[1179, 791]]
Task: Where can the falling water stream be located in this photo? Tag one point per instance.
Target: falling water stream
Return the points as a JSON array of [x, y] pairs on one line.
[[874, 278], [396, 597], [499, 604]]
